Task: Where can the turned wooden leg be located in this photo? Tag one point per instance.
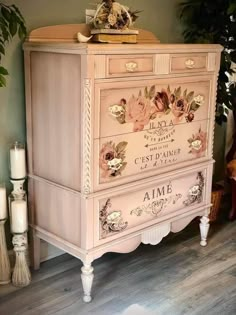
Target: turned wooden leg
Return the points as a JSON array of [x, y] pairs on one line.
[[87, 281], [34, 250], [204, 228]]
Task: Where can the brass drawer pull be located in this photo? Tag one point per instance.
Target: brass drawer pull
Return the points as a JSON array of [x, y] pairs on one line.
[[190, 64], [131, 66]]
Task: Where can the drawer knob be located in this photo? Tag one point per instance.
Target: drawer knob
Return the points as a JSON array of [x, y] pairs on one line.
[[131, 66], [190, 64]]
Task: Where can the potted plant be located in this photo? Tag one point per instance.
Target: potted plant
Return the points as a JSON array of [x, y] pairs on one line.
[[11, 24], [215, 22]]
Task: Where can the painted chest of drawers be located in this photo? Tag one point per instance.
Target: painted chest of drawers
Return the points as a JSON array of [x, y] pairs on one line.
[[119, 144]]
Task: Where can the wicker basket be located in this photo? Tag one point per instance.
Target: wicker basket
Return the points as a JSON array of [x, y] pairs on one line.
[[216, 195]]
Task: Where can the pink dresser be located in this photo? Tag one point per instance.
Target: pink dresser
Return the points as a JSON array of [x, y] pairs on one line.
[[119, 144]]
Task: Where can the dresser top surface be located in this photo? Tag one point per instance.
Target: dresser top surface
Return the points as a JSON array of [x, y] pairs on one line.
[[95, 48]]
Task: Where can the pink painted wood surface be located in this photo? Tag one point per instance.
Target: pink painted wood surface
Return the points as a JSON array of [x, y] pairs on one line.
[[55, 107], [57, 211]]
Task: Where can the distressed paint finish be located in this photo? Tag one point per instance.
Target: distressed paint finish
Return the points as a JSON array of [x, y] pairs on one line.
[[75, 136]]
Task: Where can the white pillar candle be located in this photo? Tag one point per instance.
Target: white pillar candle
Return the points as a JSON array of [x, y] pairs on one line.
[[17, 163], [19, 221], [3, 203]]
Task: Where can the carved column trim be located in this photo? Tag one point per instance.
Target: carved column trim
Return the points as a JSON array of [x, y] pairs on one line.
[[87, 137]]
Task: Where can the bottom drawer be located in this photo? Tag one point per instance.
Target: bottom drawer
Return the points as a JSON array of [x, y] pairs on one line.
[[133, 207]]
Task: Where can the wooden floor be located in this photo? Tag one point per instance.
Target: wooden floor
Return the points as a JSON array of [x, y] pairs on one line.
[[175, 277]]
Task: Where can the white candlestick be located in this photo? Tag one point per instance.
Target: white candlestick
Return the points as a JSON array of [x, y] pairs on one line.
[[3, 203], [19, 221], [17, 162]]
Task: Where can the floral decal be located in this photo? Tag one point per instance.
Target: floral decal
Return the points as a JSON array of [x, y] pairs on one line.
[[140, 109], [197, 143], [195, 192], [111, 221], [111, 159]]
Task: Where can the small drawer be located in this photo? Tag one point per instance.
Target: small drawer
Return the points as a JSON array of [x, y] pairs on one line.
[[131, 209], [120, 66], [188, 63]]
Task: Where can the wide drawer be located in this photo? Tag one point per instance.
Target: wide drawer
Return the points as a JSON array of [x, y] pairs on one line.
[[126, 107], [125, 158], [133, 208], [188, 62]]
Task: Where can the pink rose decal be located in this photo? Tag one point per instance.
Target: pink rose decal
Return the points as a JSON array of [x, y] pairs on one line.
[[138, 111], [198, 143], [111, 159]]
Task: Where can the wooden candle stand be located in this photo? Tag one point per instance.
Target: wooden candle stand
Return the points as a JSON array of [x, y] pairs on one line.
[[21, 276]]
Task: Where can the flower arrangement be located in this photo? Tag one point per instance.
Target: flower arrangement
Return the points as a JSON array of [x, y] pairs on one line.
[[113, 15], [197, 143], [147, 105], [111, 159]]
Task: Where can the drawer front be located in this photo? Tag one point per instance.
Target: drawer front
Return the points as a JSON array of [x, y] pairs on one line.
[[120, 66], [122, 213], [125, 158], [127, 107], [188, 63]]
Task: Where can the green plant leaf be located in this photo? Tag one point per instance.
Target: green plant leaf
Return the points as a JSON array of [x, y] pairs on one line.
[[146, 92], [189, 97], [178, 92], [167, 111], [232, 8], [194, 106], [6, 13], [2, 50], [2, 81], [3, 71], [185, 93], [121, 147], [152, 92], [13, 27], [21, 32]]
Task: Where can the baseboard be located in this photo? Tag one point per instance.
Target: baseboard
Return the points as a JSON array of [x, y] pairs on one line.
[[47, 251]]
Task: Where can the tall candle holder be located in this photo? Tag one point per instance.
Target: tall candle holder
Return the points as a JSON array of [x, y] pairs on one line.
[[5, 271], [21, 276]]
